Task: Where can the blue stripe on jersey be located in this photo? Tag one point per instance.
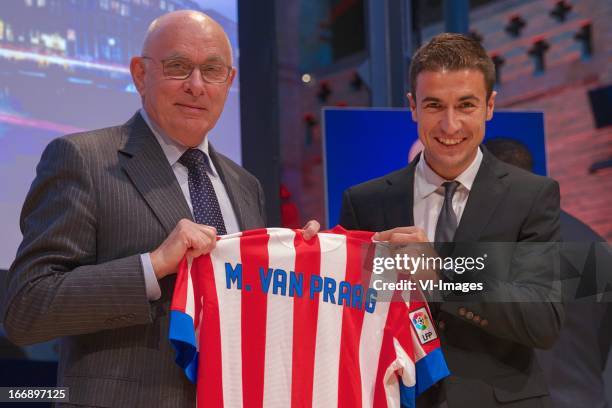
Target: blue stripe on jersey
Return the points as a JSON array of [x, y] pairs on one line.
[[182, 337], [407, 395], [429, 370]]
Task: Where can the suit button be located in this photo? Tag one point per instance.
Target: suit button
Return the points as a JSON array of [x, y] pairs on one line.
[[469, 315], [461, 311]]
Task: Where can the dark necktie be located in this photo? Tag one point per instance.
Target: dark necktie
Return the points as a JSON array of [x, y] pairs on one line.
[[447, 221], [204, 201], [445, 232]]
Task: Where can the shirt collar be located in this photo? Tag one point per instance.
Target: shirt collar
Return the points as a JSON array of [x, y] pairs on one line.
[[171, 148], [427, 181]]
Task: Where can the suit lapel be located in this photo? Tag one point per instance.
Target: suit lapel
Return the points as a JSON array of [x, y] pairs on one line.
[[231, 180], [147, 167], [399, 197], [486, 194]]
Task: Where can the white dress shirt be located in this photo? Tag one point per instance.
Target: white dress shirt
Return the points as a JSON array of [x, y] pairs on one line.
[[173, 152], [429, 194]]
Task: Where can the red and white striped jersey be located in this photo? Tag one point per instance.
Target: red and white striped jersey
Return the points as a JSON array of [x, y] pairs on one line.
[[268, 319]]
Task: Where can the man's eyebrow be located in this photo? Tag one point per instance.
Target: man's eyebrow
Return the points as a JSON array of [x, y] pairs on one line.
[[468, 97], [430, 99], [215, 59], [461, 99], [211, 59]]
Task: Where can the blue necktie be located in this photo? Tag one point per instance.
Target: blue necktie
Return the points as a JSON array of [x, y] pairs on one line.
[[204, 201]]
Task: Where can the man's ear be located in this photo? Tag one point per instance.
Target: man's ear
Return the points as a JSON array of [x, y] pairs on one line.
[[491, 105], [230, 80], [412, 104], [137, 69]]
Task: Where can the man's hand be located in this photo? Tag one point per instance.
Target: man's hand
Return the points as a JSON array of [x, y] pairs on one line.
[[414, 238], [414, 242], [311, 229], [402, 235], [187, 238]]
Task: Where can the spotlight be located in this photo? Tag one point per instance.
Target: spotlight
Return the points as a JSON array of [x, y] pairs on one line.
[[324, 91], [584, 35], [561, 10], [515, 25], [537, 51], [306, 78]]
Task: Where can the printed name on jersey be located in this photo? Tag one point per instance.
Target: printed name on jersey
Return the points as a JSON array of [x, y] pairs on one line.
[[283, 283], [422, 325]]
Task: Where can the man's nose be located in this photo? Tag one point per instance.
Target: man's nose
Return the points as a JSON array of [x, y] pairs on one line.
[[195, 84], [450, 123]]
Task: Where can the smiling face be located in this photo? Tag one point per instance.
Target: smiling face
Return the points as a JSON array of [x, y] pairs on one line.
[[451, 108], [186, 110]]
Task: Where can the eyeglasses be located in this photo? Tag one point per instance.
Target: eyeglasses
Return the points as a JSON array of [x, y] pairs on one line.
[[181, 68]]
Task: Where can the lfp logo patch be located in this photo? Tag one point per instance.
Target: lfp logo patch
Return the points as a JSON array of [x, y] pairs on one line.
[[422, 325]]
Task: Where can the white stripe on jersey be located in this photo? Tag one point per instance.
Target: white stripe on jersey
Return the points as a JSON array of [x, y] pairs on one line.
[[279, 325], [189, 302], [391, 382], [408, 371], [373, 332], [329, 326], [230, 318]]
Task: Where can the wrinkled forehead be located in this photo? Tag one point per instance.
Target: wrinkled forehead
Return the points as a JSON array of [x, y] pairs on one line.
[[197, 40]]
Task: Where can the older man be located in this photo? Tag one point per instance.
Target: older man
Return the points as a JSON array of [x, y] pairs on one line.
[[457, 191], [113, 211]]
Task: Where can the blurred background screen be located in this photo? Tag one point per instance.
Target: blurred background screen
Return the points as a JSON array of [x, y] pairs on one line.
[[64, 69]]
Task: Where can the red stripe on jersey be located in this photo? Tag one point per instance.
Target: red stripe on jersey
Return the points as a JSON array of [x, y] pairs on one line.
[[402, 331], [254, 255], [179, 298], [305, 316], [209, 368], [349, 376], [397, 314]]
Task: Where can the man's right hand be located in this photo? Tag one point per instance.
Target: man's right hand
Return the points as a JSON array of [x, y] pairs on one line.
[[187, 238]]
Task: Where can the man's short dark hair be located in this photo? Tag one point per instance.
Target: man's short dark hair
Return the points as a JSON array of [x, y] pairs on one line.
[[452, 52], [511, 151]]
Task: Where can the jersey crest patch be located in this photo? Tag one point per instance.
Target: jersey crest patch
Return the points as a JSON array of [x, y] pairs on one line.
[[422, 325]]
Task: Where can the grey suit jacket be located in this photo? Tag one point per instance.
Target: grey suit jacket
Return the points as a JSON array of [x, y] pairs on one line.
[[99, 200], [494, 365]]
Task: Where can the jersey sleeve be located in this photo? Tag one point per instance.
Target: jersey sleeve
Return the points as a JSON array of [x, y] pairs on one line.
[[430, 365], [182, 333], [419, 361]]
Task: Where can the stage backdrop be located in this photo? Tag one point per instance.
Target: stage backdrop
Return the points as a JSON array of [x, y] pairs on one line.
[[365, 143]]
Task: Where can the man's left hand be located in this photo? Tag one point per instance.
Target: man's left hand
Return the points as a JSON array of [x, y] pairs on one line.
[[402, 235], [417, 244]]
